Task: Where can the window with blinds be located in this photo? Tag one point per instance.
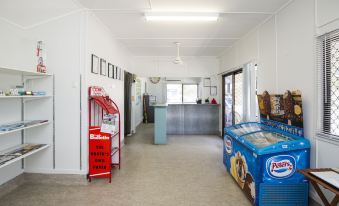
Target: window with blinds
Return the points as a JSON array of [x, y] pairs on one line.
[[328, 84]]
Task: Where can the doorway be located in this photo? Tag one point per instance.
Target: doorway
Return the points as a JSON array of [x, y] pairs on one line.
[[128, 102], [232, 98]]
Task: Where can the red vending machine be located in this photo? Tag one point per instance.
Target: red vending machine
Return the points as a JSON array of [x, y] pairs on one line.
[[104, 134]]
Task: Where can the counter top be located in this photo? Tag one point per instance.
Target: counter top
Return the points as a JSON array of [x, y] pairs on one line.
[[160, 105], [175, 104], [195, 104]]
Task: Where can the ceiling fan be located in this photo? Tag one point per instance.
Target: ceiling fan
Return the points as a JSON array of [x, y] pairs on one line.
[[178, 59]]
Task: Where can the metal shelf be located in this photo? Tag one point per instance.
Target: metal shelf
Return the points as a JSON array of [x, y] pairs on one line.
[[22, 128], [13, 156], [114, 151], [27, 97], [22, 72]]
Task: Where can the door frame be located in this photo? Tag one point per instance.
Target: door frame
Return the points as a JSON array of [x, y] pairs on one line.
[[233, 73]]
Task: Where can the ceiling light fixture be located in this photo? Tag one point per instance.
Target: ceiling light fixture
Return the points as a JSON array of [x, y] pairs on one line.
[[165, 16]]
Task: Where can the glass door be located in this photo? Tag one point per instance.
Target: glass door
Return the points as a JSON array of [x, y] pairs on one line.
[[232, 98], [228, 101]]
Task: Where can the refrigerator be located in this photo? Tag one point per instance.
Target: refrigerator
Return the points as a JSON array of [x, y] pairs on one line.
[[264, 159]]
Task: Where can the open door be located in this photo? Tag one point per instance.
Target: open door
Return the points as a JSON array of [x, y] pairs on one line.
[[128, 102], [232, 95]]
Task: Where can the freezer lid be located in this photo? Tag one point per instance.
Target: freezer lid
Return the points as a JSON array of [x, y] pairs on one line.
[[266, 138], [246, 128]]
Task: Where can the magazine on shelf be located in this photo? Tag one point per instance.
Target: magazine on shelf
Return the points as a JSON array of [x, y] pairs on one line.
[[20, 124], [18, 152]]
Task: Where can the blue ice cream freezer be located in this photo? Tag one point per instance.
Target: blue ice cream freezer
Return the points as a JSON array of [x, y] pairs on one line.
[[264, 161]]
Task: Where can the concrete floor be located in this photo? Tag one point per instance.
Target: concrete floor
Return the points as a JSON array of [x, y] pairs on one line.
[[187, 171]]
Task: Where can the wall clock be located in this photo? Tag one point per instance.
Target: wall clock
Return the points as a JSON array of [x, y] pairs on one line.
[[154, 80]]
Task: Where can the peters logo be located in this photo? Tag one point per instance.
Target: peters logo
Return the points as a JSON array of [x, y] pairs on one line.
[[281, 166], [228, 145]]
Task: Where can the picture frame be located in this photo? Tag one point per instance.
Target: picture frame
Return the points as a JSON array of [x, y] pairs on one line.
[[207, 82], [119, 73], [110, 70], [115, 76], [103, 69], [95, 64], [213, 91]]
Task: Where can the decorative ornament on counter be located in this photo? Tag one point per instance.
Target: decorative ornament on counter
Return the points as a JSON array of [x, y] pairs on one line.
[[154, 80], [214, 101], [41, 67]]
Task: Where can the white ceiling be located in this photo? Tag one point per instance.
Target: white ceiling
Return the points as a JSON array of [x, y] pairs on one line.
[[26, 13], [125, 19]]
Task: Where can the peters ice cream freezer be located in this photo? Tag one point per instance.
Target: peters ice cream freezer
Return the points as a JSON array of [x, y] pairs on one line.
[[263, 158]]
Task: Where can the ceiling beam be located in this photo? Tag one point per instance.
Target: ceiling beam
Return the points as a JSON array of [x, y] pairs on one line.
[[138, 11], [202, 46], [207, 38]]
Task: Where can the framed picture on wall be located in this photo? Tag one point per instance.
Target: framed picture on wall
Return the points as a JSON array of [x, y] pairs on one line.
[[115, 75], [119, 73], [207, 82], [95, 64], [110, 70], [103, 67], [213, 91]]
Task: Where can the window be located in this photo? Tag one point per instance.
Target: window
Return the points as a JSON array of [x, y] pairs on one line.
[[190, 93], [174, 93], [329, 83], [182, 93]]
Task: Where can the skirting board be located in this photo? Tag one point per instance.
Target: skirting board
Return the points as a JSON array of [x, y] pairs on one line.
[[56, 171]]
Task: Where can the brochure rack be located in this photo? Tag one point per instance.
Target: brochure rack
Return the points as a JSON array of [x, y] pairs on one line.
[[23, 112], [104, 134]]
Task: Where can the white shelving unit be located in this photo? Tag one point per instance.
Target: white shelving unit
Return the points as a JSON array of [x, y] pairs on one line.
[[23, 128], [25, 97], [11, 154], [23, 149]]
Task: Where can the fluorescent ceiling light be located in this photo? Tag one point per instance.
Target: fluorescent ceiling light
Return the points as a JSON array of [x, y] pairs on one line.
[[155, 16]]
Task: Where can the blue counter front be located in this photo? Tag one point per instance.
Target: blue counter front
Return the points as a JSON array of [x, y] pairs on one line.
[[160, 113], [264, 162]]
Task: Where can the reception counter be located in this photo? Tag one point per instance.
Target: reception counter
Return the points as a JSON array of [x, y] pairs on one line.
[[189, 119], [160, 113]]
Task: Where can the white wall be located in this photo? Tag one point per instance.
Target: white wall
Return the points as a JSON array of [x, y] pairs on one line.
[[61, 38], [69, 42], [159, 89], [284, 49], [164, 67], [99, 41], [327, 16]]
